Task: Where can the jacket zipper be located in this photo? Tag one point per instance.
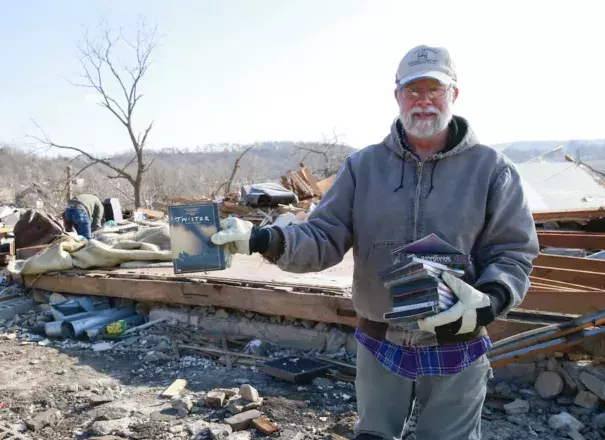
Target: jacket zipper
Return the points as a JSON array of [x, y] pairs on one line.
[[419, 166]]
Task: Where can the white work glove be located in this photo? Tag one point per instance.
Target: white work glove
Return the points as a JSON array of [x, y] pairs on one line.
[[473, 309], [234, 237]]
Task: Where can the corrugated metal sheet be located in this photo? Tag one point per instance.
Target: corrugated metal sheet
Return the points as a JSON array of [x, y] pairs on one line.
[[560, 185]]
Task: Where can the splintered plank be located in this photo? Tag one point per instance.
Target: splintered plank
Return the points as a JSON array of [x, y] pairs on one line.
[[581, 277], [576, 302], [569, 214], [576, 263], [560, 285], [572, 240], [175, 388]]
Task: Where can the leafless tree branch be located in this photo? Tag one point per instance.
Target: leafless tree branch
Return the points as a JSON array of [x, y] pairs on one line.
[[117, 86], [228, 183]]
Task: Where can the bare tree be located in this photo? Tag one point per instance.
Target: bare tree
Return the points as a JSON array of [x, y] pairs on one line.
[[328, 150], [117, 85], [228, 183]]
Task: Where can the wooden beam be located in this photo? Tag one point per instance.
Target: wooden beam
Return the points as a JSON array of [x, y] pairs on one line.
[[577, 263], [575, 302], [592, 279], [569, 214], [316, 307], [572, 240], [559, 285]]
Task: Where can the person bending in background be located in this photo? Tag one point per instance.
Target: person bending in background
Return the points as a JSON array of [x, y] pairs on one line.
[[85, 214]]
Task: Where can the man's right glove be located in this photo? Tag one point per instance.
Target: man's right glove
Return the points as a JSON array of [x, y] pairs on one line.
[[474, 308]]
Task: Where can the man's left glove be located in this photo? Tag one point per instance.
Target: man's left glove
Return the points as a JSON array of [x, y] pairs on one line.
[[234, 237], [473, 309]]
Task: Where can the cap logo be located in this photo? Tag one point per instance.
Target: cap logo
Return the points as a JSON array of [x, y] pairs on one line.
[[424, 56]]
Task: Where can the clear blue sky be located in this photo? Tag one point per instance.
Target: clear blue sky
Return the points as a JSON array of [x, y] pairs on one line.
[[245, 71]]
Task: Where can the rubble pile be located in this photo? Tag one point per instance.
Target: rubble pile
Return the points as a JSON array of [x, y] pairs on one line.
[[171, 379], [562, 395], [301, 185]]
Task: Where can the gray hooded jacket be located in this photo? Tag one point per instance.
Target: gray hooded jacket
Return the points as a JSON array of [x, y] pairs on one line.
[[384, 197]]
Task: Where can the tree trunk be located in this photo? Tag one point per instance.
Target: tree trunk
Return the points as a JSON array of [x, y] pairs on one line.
[[137, 190]]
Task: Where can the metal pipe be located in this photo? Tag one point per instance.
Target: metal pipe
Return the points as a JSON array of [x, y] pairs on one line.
[[74, 329], [53, 328], [95, 332]]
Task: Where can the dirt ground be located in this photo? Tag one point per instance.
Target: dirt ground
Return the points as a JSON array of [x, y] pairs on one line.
[[87, 387], [111, 392]]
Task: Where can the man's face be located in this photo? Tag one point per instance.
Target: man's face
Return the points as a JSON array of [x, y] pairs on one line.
[[425, 107]]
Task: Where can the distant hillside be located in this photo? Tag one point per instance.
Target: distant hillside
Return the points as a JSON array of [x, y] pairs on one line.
[[199, 172]]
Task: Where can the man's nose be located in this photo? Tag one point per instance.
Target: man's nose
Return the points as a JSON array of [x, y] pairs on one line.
[[424, 100]]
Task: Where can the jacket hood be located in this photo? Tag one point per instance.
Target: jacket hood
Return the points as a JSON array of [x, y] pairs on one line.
[[460, 138]]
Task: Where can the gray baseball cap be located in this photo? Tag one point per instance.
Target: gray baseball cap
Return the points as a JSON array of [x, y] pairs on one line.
[[426, 62]]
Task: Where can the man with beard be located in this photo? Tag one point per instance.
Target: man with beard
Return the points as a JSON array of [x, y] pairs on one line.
[[429, 175]]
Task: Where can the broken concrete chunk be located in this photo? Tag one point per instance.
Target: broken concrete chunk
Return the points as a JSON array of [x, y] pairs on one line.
[[215, 399], [549, 384], [107, 437], [587, 400], [569, 383], [253, 405], [522, 369], [249, 393], [229, 392], [176, 429], [102, 346], [242, 420], [183, 402], [105, 427], [518, 406], [503, 389], [221, 313], [264, 425], [242, 435], [565, 420], [575, 435], [335, 340], [163, 416], [98, 399], [50, 417], [175, 388], [205, 430], [113, 413], [594, 384], [235, 405]]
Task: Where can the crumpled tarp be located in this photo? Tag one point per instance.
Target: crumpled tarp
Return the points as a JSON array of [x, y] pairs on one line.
[[267, 194], [68, 252], [157, 235]]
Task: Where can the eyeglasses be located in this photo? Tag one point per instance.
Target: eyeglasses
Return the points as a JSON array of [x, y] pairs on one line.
[[434, 93]]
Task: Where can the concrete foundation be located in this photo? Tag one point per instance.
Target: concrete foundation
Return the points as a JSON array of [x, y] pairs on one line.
[[324, 338]]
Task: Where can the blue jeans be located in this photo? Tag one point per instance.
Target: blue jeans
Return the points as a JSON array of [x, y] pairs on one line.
[[81, 221]]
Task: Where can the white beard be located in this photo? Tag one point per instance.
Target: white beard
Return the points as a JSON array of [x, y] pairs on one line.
[[429, 127]]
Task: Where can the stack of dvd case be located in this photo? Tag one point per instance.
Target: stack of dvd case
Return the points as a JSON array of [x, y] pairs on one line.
[[416, 288]]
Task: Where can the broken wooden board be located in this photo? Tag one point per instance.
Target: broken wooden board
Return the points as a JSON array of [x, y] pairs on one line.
[[564, 262], [575, 302], [580, 277], [569, 215], [572, 239], [174, 389]]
